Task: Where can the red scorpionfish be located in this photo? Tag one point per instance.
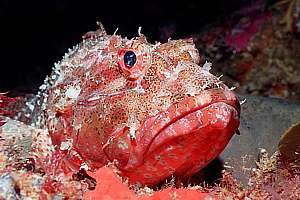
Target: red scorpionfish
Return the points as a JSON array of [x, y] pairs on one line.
[[149, 109]]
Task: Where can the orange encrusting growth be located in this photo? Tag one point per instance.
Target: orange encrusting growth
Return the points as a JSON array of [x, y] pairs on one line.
[[111, 187]]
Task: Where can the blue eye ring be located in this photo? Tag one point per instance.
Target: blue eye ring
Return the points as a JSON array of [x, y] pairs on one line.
[[129, 59]]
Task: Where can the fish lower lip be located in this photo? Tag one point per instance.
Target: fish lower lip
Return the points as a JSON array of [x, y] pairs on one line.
[[185, 117], [195, 120]]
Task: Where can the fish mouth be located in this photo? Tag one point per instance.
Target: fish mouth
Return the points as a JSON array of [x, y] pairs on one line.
[[211, 109], [184, 138], [180, 140]]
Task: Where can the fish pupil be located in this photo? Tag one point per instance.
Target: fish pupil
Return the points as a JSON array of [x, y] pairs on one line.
[[129, 59]]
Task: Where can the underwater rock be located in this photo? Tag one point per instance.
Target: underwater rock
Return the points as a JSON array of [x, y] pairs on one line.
[[263, 121], [7, 187]]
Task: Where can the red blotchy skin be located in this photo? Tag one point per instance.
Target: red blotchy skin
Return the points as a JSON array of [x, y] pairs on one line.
[[163, 116]]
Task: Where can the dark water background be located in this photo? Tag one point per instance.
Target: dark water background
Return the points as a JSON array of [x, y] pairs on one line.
[[35, 34]]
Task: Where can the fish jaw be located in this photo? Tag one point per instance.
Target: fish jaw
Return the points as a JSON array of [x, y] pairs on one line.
[[179, 141]]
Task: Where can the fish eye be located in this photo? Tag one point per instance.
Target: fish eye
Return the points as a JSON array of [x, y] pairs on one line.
[[129, 59]]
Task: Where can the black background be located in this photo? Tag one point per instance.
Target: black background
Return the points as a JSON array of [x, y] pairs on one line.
[[35, 34]]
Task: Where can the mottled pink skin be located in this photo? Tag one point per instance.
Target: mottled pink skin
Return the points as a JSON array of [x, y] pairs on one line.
[[163, 116]]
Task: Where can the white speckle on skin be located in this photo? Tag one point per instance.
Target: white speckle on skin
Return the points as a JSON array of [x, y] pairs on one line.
[[43, 87], [209, 198], [116, 31], [153, 112], [218, 116], [232, 88], [30, 106], [171, 131], [204, 98], [139, 88], [56, 91], [185, 123], [139, 31], [169, 148], [207, 66], [66, 145], [179, 67], [122, 145], [191, 90], [73, 92], [133, 125], [132, 131], [60, 79], [173, 75], [84, 166], [219, 77]]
